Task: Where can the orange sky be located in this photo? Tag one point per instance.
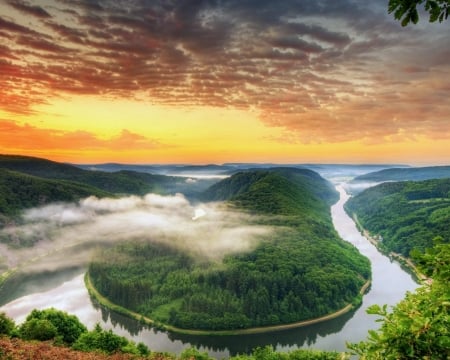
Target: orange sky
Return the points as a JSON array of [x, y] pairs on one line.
[[104, 80]]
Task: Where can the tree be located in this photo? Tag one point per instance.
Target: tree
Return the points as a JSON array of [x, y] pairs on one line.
[[419, 326], [38, 329], [107, 342], [68, 327], [406, 10], [7, 325]]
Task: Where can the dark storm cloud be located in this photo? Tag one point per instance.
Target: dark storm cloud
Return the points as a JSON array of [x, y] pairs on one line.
[[304, 65]]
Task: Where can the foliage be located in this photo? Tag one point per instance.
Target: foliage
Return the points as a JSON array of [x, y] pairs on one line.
[[419, 326], [303, 271], [406, 10], [7, 325], [66, 327], [408, 215], [194, 354], [268, 353], [38, 329], [107, 342]]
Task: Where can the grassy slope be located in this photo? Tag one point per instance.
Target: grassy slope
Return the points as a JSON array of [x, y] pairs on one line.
[[406, 214]]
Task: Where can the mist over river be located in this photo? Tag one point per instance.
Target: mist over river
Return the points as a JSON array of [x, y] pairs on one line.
[[65, 290]]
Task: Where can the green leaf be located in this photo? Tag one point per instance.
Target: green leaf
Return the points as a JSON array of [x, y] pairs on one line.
[[373, 335], [405, 20], [414, 16], [376, 310]]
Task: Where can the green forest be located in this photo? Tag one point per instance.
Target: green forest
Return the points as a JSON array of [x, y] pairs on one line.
[[121, 182], [19, 191], [304, 270], [407, 215]]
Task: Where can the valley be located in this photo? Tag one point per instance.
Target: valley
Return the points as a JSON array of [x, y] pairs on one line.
[[389, 281]]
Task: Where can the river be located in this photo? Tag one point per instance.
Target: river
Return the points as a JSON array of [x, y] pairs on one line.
[[65, 290]]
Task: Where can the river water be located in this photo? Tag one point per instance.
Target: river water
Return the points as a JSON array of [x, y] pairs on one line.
[[65, 290]]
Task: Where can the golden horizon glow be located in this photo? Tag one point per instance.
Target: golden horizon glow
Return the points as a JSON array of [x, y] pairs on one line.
[[137, 133]]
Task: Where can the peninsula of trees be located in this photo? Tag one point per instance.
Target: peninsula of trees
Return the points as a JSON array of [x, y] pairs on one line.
[[303, 271]]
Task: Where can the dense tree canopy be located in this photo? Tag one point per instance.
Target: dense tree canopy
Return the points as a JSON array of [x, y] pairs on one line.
[[6, 324], [406, 10], [50, 323], [19, 191], [408, 215], [303, 270]]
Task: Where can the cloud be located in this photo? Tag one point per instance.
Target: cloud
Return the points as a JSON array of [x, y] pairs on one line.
[[29, 9], [311, 68], [15, 137], [208, 231]]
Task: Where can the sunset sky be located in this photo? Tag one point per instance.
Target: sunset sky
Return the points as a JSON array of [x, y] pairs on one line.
[[214, 81]]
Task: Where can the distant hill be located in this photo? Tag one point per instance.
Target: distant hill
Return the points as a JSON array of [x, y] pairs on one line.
[[19, 191], [403, 174], [325, 170], [170, 169], [125, 182], [406, 214]]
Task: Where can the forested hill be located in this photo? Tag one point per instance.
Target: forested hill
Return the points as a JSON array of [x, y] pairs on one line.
[[19, 191], [125, 182], [303, 270], [406, 214], [282, 191], [403, 174]]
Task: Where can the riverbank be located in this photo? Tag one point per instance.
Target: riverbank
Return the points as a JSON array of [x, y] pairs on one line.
[[406, 262], [6, 275], [255, 330]]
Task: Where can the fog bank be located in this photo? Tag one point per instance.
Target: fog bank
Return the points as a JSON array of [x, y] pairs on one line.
[[208, 231]]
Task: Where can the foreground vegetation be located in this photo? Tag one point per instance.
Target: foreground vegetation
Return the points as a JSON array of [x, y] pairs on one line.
[[407, 215], [54, 334], [302, 271], [418, 327], [411, 217]]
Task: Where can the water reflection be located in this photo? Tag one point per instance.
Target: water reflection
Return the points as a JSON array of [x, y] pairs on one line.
[[301, 337]]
